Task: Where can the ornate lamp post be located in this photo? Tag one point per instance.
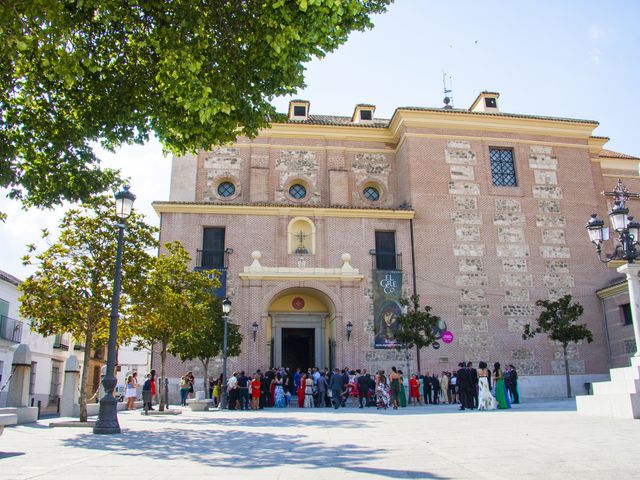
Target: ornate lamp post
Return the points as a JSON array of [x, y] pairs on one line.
[[254, 330], [107, 422], [349, 330], [226, 308], [627, 232]]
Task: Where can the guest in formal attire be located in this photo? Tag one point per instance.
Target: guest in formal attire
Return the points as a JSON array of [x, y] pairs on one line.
[[382, 391], [403, 390], [464, 387], [363, 389], [394, 380], [435, 383], [308, 392], [301, 388], [184, 390], [428, 389], [336, 384], [486, 401], [501, 392], [453, 387], [444, 386], [511, 382], [321, 389], [473, 375], [414, 390], [279, 392], [131, 392]]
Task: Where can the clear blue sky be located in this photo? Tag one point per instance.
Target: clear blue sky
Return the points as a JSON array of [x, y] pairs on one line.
[[571, 59]]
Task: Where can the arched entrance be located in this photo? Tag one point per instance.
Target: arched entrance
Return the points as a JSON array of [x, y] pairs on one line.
[[302, 328]]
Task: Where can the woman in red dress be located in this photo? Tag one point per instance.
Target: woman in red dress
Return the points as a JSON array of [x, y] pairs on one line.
[[414, 390], [301, 388], [255, 392]]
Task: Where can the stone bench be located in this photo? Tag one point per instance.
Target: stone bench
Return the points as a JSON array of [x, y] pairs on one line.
[[200, 403], [8, 419]]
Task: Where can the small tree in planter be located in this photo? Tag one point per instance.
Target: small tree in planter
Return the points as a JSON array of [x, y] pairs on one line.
[[558, 321]]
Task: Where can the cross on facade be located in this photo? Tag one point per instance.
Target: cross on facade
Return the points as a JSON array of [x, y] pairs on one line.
[[301, 236], [621, 193]]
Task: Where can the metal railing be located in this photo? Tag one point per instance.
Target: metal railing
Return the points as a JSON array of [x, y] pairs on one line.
[[385, 260], [10, 329], [210, 259]]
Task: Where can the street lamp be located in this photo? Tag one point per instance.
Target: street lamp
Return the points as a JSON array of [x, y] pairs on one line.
[[254, 329], [107, 422], [627, 231], [349, 330], [226, 308]]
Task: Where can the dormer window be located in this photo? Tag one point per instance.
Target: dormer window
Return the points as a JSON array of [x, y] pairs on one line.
[[299, 110], [490, 102], [486, 102], [363, 113]]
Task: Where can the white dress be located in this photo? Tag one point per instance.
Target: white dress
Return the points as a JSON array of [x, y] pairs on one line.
[[486, 401]]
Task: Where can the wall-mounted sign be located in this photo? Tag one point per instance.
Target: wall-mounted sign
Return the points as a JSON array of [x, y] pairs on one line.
[[387, 288], [447, 336]]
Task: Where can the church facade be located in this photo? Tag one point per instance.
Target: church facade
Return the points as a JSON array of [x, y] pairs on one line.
[[321, 224]]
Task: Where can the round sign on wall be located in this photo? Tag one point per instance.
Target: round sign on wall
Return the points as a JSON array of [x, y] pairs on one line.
[[297, 303], [436, 345], [447, 336]]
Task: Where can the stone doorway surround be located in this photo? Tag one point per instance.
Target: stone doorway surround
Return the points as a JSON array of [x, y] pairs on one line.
[[315, 321]]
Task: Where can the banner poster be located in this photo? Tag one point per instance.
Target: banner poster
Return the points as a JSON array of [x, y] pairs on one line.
[[387, 288]]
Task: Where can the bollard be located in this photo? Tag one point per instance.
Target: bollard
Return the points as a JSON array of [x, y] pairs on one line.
[[166, 392], [39, 407], [58, 407], [32, 401]]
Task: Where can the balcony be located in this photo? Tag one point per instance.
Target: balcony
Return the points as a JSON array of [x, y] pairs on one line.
[[385, 260], [213, 259], [60, 342], [10, 329]]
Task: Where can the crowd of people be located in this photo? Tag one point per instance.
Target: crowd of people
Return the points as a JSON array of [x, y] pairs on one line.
[[470, 388]]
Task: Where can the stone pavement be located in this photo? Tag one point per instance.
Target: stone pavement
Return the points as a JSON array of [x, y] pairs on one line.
[[537, 440]]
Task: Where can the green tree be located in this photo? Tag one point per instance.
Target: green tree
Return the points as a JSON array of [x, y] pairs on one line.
[[416, 327], [204, 340], [71, 289], [173, 301], [195, 74], [558, 320]]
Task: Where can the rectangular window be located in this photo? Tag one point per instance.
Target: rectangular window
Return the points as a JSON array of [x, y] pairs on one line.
[[213, 248], [386, 250], [32, 378], [4, 308], [503, 170], [365, 115], [56, 380], [626, 314], [299, 111]]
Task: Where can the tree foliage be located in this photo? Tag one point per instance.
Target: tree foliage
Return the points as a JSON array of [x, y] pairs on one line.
[[416, 327], [558, 320], [204, 340], [174, 302], [195, 74], [71, 290]]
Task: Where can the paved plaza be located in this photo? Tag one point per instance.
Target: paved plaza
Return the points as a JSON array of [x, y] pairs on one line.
[[538, 440]]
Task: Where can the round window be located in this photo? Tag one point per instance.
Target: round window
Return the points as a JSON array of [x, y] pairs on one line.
[[371, 193], [226, 189], [297, 191]]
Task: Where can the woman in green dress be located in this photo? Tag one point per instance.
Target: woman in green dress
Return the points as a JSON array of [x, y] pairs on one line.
[[403, 392], [394, 380], [501, 393]]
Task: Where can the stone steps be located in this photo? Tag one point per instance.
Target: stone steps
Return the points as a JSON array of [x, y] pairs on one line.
[[618, 398]]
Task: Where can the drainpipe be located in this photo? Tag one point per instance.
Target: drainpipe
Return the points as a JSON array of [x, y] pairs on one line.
[[415, 288]]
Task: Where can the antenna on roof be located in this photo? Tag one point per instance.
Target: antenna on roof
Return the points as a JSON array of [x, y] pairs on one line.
[[448, 99]]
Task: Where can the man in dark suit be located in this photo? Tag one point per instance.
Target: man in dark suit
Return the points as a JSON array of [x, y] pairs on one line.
[[473, 376], [336, 384], [435, 383], [363, 389], [511, 382], [427, 386], [464, 386]]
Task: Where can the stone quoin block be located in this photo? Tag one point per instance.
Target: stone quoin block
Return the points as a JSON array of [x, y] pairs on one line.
[[510, 234], [550, 220], [540, 149], [459, 144], [516, 280], [522, 354], [465, 203], [473, 310], [545, 177], [546, 162], [517, 265], [557, 266], [575, 367], [572, 352], [470, 265], [475, 325], [557, 293], [512, 250], [517, 309], [508, 218], [466, 218], [517, 324], [461, 172], [508, 205], [474, 294], [517, 295], [548, 206], [554, 252], [553, 235], [477, 341], [371, 164], [462, 157], [468, 234], [562, 280], [527, 367], [468, 250], [471, 280], [464, 188], [544, 191], [300, 161]]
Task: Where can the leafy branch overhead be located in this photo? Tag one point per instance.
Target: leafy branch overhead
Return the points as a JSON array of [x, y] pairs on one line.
[[195, 74]]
